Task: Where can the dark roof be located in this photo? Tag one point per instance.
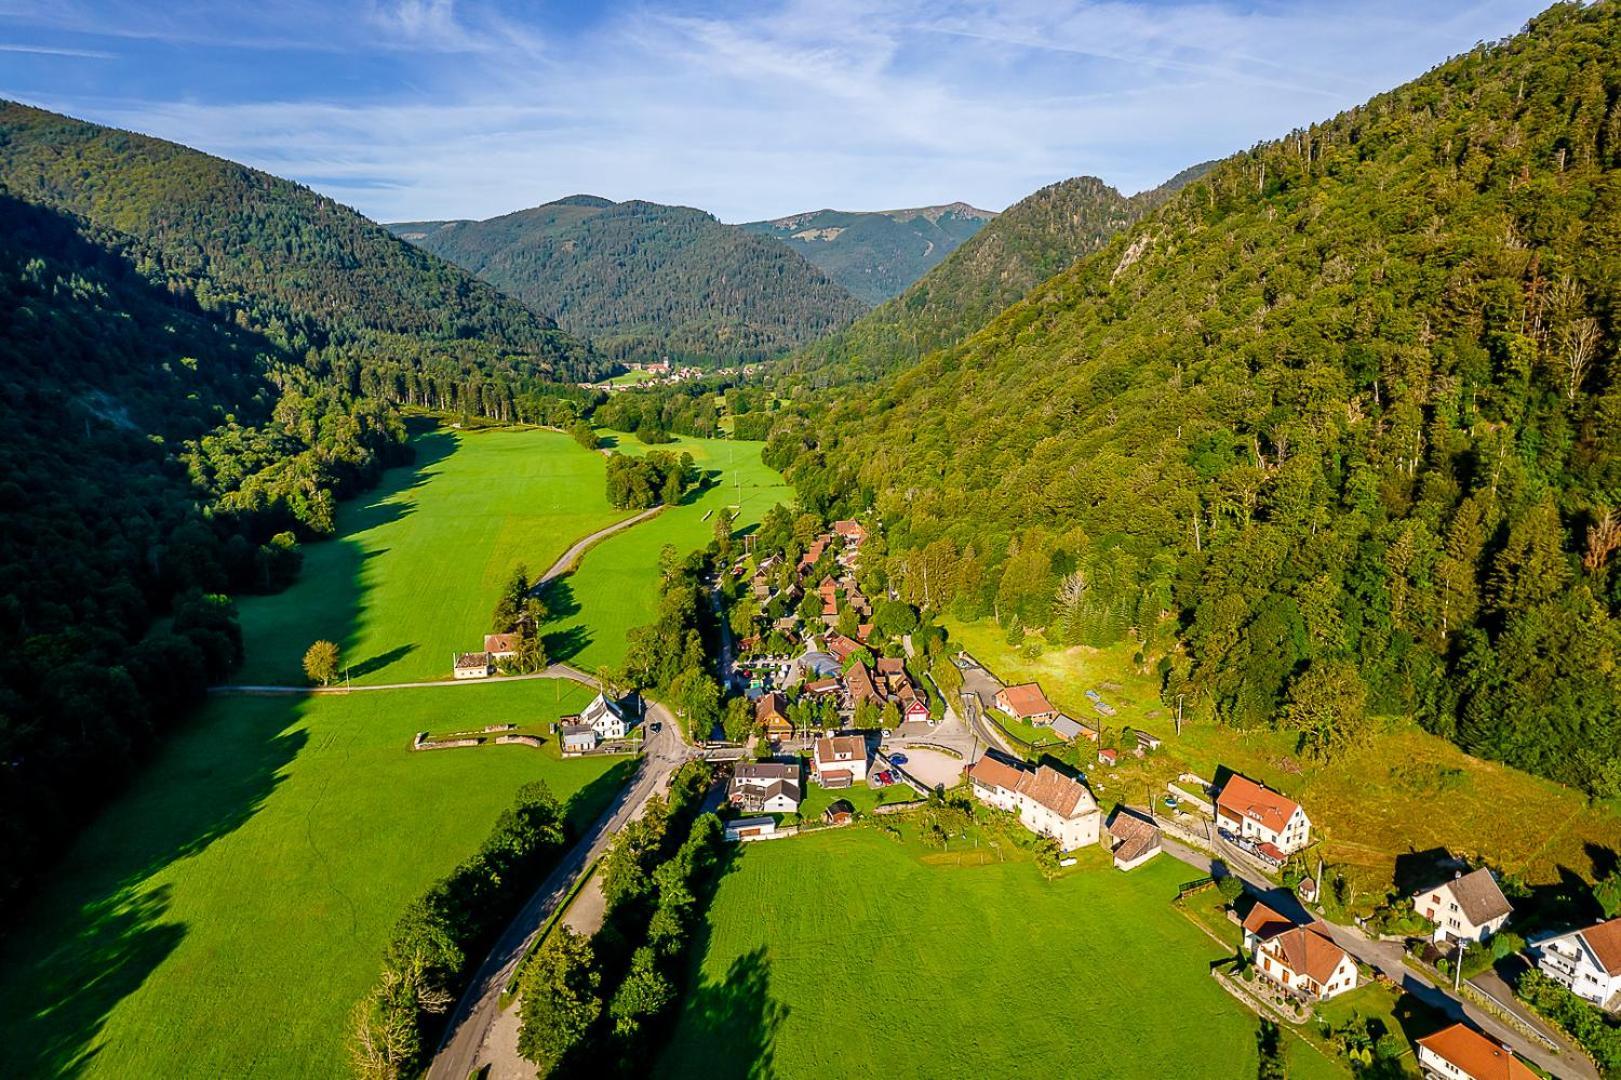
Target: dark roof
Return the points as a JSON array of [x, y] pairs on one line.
[[577, 729], [765, 770], [1477, 895]]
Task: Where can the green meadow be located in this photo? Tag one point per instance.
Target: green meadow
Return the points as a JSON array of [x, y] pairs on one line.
[[225, 913], [418, 563], [616, 584], [223, 916], [851, 954]]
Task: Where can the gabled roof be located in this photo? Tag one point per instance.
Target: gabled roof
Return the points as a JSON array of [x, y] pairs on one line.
[[472, 659], [1243, 797], [891, 665], [1134, 835], [834, 749], [840, 647], [1308, 951], [1026, 699], [850, 530], [862, 688], [765, 770], [772, 705], [1265, 923], [501, 643], [599, 710], [1475, 1054], [789, 788], [993, 772], [577, 729], [1478, 896], [1605, 942], [1045, 786]]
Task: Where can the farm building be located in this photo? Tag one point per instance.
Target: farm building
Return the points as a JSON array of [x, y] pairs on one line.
[[577, 738], [473, 665], [1048, 802], [1132, 839], [501, 646]]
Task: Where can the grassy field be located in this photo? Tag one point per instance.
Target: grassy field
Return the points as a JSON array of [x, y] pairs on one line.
[[224, 915], [420, 561], [631, 377], [1370, 807], [848, 953], [615, 587]]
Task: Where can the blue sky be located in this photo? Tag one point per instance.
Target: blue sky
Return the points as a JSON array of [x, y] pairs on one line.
[[437, 108]]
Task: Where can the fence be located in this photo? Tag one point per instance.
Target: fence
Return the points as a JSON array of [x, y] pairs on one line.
[[1194, 886]]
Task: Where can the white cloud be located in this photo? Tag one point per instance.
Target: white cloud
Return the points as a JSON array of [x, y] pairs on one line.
[[801, 104]]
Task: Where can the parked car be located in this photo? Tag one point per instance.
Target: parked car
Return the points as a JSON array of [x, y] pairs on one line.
[[897, 759]]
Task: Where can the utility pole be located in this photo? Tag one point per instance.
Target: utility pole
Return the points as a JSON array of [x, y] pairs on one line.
[[1179, 716]]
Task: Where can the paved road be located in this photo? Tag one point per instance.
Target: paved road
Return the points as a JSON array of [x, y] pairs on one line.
[[567, 560], [1386, 957], [466, 1042], [555, 671]]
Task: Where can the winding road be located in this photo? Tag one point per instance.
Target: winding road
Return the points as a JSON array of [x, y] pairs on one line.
[[566, 561]]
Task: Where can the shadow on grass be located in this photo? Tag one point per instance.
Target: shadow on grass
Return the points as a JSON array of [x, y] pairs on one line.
[[558, 596], [380, 661], [588, 803], [96, 932], [567, 643]]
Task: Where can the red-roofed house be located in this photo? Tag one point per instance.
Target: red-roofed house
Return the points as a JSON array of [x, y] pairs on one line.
[[1263, 924], [501, 646], [1588, 962], [1026, 702], [1048, 802], [1306, 959], [1260, 814], [1461, 1053], [850, 532]]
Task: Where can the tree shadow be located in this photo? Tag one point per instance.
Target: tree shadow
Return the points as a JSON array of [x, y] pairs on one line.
[[96, 931], [1604, 859], [380, 661], [729, 1025], [558, 596], [1417, 870], [567, 643], [1556, 904]]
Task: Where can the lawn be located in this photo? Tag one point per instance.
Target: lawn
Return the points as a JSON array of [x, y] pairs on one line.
[[224, 915], [1370, 807], [631, 377], [616, 584], [847, 953], [419, 562]]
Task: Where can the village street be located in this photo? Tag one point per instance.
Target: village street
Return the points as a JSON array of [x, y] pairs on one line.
[[1386, 958], [472, 1037]]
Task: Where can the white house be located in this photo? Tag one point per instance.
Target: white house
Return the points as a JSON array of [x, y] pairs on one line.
[[1261, 815], [1461, 1053], [840, 760], [1305, 959], [1470, 907], [769, 787], [1587, 962], [578, 738], [605, 718], [1048, 802], [472, 665], [1262, 924]]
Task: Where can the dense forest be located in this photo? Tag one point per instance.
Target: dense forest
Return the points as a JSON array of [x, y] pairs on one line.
[[199, 361], [648, 282], [1334, 434], [1029, 242], [876, 254]]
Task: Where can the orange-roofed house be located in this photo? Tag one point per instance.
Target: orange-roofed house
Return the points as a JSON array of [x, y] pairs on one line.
[[501, 646], [850, 531], [1462, 1053], [1048, 802], [1026, 702], [841, 760], [1306, 960], [1587, 962], [1261, 815], [1263, 924]]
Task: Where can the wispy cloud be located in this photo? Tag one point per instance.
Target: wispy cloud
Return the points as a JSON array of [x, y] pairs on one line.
[[430, 108], [51, 50]]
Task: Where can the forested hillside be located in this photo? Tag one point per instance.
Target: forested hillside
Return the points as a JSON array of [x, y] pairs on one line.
[[876, 254], [1029, 242], [1336, 433], [645, 281], [199, 360]]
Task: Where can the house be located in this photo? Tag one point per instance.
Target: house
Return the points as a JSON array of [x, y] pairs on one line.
[[840, 647], [1470, 907], [916, 712], [751, 828], [1261, 815], [1586, 962], [1048, 802], [771, 714], [1026, 702], [840, 760], [605, 718], [1307, 890], [1133, 839], [1462, 1053], [472, 665], [814, 553], [1306, 960], [828, 590], [1066, 729], [501, 646], [839, 813], [859, 682], [1262, 924], [850, 532], [1108, 756], [766, 787], [578, 738]]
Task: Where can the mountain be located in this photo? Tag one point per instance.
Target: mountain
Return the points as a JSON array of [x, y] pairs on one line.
[[1334, 434], [1023, 246], [199, 360], [645, 281], [876, 255]]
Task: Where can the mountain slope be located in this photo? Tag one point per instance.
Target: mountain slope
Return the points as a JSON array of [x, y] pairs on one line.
[[305, 270], [644, 281], [876, 255], [1334, 433], [1027, 243]]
